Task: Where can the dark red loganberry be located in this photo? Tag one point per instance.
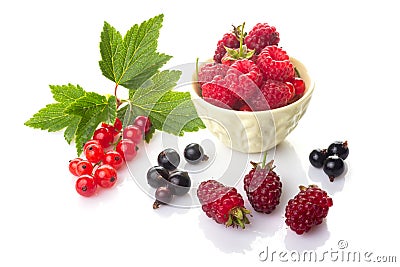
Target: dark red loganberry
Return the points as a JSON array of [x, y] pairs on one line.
[[94, 153], [307, 209], [85, 186], [222, 203], [263, 188], [105, 176], [114, 159], [127, 148], [104, 136], [72, 165], [84, 167], [143, 123]]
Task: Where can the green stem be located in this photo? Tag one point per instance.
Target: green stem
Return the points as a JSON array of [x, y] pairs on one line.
[[197, 69], [264, 160], [241, 39]]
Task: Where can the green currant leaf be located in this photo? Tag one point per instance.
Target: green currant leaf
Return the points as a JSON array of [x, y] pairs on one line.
[[93, 110], [53, 117], [169, 111], [131, 60]]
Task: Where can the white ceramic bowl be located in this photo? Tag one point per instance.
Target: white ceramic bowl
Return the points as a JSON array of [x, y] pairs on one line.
[[254, 132]]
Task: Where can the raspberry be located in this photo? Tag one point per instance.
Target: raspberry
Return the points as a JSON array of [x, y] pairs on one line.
[[274, 64], [261, 36], [308, 208], [263, 187], [217, 93], [243, 79], [209, 71], [228, 40], [249, 69], [222, 203], [244, 107], [274, 94], [299, 86]]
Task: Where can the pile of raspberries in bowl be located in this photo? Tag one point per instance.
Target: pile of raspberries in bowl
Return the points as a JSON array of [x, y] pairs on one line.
[[252, 94], [250, 72]]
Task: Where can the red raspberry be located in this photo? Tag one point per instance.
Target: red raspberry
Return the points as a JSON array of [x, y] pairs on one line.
[[244, 79], [249, 69], [218, 93], [299, 86], [263, 187], [228, 40], [274, 94], [261, 36], [244, 107], [209, 71], [275, 64], [222, 203], [308, 208]]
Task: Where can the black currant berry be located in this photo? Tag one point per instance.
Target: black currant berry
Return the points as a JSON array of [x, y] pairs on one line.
[[169, 159], [194, 153], [163, 196], [333, 167], [339, 148], [317, 157], [179, 183], [157, 176]]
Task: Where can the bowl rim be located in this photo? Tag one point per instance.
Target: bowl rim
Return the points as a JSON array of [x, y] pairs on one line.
[[309, 90]]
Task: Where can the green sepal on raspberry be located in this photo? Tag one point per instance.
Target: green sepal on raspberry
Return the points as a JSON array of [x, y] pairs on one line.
[[237, 217], [223, 204], [263, 165], [233, 54]]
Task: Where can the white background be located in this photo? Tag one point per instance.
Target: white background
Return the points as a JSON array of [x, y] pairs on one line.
[[351, 49]]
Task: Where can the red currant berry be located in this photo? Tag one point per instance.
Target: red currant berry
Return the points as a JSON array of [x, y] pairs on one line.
[[90, 142], [104, 136], [105, 176], [133, 133], [143, 123], [72, 165], [84, 167], [85, 186], [114, 129], [118, 124], [94, 153], [114, 159], [127, 149]]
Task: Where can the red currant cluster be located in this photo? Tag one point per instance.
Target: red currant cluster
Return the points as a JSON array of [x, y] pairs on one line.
[[105, 153]]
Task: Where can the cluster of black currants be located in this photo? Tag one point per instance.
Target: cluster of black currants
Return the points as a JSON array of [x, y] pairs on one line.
[[166, 179], [331, 159]]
